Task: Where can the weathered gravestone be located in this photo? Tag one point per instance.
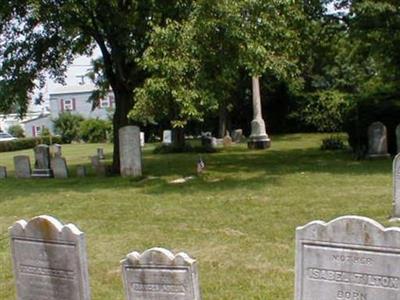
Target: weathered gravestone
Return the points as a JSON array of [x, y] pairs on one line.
[[59, 167], [100, 153], [98, 167], [57, 149], [49, 260], [237, 135], [396, 188], [348, 258], [167, 137], [158, 274], [227, 140], [130, 151], [142, 140], [377, 140], [42, 162], [81, 171], [3, 172], [398, 138], [22, 166]]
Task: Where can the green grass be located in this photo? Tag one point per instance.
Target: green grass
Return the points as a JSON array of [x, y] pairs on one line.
[[238, 219]]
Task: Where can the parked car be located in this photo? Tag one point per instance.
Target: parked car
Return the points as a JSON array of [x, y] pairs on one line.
[[4, 137]]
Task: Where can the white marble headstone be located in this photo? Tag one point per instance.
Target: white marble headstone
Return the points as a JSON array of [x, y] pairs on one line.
[[158, 274], [396, 187], [167, 137], [377, 140], [142, 140], [348, 258], [49, 260]]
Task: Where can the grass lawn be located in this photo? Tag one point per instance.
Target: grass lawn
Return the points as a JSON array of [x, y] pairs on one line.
[[238, 219]]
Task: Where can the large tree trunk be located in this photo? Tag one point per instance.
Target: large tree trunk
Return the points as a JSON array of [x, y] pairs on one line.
[[123, 104], [222, 118], [179, 137]]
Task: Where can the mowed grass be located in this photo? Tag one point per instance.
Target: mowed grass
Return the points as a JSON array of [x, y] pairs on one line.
[[238, 219]]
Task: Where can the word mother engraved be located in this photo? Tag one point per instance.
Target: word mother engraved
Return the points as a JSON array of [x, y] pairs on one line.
[[348, 258], [157, 274], [49, 260]]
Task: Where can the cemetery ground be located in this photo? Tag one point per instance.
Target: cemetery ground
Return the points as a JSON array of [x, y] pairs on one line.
[[238, 219]]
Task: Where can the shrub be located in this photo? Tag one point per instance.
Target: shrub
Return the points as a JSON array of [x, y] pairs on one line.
[[324, 111], [67, 126], [333, 143], [95, 130], [16, 131], [27, 143], [383, 107]]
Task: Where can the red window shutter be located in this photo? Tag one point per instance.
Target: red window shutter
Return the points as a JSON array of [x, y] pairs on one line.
[[73, 104], [33, 131], [62, 105]]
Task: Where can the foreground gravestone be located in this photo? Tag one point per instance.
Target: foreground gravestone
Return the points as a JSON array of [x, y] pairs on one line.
[[348, 258], [49, 260], [396, 188], [130, 151], [3, 172], [42, 162], [22, 167], [377, 140], [98, 167], [59, 167], [398, 138], [167, 137], [159, 274]]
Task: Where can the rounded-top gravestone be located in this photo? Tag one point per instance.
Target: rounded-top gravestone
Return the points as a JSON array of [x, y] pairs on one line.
[[377, 140]]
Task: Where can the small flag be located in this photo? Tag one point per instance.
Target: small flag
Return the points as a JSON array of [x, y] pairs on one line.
[[200, 165]]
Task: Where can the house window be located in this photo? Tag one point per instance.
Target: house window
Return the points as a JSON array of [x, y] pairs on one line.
[[68, 104], [104, 103]]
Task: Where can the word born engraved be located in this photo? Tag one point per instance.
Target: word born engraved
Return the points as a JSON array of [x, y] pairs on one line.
[[353, 259], [351, 295], [369, 280], [159, 288]]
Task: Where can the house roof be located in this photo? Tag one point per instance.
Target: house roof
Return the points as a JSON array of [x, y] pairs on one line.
[[66, 90], [42, 116]]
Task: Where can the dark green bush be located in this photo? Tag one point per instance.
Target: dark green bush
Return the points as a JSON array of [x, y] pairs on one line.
[[27, 143], [333, 143], [95, 130], [382, 107], [16, 131], [67, 126]]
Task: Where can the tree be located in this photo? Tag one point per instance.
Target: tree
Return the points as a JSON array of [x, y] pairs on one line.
[[67, 125], [46, 35]]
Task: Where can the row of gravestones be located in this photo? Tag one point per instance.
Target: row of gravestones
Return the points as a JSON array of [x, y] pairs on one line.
[[348, 258], [377, 140]]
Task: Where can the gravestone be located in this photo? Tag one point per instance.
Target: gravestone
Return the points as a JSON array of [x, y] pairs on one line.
[[377, 140], [398, 138], [227, 140], [100, 153], [130, 151], [142, 140], [237, 135], [396, 188], [348, 258], [167, 137], [57, 150], [42, 162], [81, 171], [49, 260], [22, 166], [98, 167], [159, 274], [59, 167], [3, 172]]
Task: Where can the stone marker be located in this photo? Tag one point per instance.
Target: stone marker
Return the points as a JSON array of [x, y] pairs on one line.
[[159, 274], [396, 188], [100, 153], [167, 137], [237, 135], [98, 167], [57, 150], [130, 151], [227, 140], [377, 140], [22, 166], [142, 141], [49, 260], [81, 171], [348, 258], [3, 172], [42, 162], [59, 167], [398, 138]]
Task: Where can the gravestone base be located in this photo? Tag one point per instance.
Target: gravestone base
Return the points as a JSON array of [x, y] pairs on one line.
[[42, 173], [259, 144], [394, 219], [378, 156]]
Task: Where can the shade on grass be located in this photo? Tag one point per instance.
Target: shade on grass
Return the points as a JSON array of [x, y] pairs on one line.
[[238, 219]]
